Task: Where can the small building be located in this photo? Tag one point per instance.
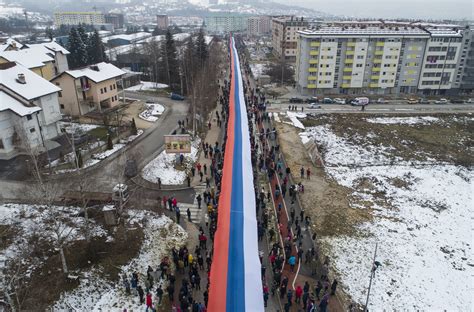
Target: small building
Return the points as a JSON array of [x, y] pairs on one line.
[[54, 50], [89, 88], [124, 39], [29, 111], [40, 63], [162, 21]]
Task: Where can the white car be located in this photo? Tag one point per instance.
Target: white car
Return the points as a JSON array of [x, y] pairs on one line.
[[339, 101], [313, 106], [441, 101]]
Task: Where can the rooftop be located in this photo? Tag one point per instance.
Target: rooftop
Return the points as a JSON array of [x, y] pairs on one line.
[[27, 57], [10, 42], [34, 87], [97, 72], [48, 47], [8, 102], [364, 31], [444, 32], [129, 37]]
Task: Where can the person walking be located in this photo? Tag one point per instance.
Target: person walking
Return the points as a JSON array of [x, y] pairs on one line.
[[149, 302], [188, 180], [159, 293], [292, 262], [188, 212], [199, 199], [178, 214], [141, 294], [308, 173], [333, 287], [302, 172], [298, 293], [159, 183]]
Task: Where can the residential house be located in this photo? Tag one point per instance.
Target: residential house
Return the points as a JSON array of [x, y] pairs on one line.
[[40, 63], [90, 88], [29, 110], [9, 44], [54, 50]]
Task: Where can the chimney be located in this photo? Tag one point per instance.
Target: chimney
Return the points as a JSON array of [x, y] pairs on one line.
[[21, 78]]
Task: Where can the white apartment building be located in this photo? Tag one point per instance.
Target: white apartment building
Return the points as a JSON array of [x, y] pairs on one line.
[[440, 60], [363, 58], [258, 25], [224, 24], [29, 110], [76, 18], [285, 36]]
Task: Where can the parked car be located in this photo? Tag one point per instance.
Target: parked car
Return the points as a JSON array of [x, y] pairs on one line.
[[380, 101], [423, 101], [314, 106], [469, 101], [296, 100], [131, 169], [360, 101], [339, 101], [327, 101], [412, 101], [313, 99], [177, 97], [457, 101], [441, 101]]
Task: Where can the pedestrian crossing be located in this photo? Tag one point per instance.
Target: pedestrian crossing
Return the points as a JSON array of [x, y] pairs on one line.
[[197, 215]]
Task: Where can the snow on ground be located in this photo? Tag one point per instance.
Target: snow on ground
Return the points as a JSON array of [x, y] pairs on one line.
[[422, 224], [276, 117], [97, 294], [74, 127], [403, 120], [257, 69], [163, 166], [294, 119], [147, 85], [152, 112], [29, 220], [103, 155]]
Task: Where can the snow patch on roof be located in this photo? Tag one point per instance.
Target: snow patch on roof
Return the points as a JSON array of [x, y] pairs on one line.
[[105, 71], [9, 103]]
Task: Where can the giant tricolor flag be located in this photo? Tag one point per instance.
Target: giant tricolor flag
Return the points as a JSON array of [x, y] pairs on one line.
[[235, 280]]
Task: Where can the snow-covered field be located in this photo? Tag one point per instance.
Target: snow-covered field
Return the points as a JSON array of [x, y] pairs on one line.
[[147, 85], [163, 166], [422, 221], [98, 294], [257, 69], [152, 112]]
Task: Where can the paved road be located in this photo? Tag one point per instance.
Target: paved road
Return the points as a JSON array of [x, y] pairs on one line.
[[398, 108], [110, 173]]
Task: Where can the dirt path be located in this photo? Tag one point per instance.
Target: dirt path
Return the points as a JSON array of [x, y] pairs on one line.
[[324, 200]]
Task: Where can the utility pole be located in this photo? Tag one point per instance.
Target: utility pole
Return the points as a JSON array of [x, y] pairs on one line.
[[375, 264]]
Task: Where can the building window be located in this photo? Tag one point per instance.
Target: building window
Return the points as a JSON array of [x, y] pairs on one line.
[[111, 88], [60, 94], [32, 130], [1, 144], [61, 106], [115, 86], [101, 91], [29, 117]]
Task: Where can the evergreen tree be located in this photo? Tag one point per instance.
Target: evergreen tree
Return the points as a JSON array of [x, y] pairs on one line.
[[49, 33], [201, 48], [146, 29], [95, 49], [134, 127], [170, 61], [76, 49]]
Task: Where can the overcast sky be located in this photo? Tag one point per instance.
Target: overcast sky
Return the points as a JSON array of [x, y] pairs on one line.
[[439, 9]]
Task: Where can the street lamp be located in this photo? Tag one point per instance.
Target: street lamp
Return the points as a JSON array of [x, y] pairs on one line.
[[375, 265]]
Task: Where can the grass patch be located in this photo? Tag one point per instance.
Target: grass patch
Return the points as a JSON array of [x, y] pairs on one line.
[[99, 133]]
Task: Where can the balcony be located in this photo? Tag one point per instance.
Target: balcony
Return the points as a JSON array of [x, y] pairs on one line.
[[312, 77], [373, 85], [351, 44], [312, 69], [375, 69], [379, 52], [346, 85], [349, 52], [380, 44], [347, 69], [311, 86], [375, 77], [314, 52], [348, 61], [315, 44], [377, 61], [347, 77], [313, 61]]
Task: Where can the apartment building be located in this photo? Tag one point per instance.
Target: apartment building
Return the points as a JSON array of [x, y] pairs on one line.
[[29, 111], [224, 24], [76, 18], [162, 21], [285, 36], [117, 20], [258, 25], [87, 89], [440, 60], [464, 79], [377, 58]]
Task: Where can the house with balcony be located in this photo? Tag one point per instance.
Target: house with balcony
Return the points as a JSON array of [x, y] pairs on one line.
[[91, 88], [29, 111]]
